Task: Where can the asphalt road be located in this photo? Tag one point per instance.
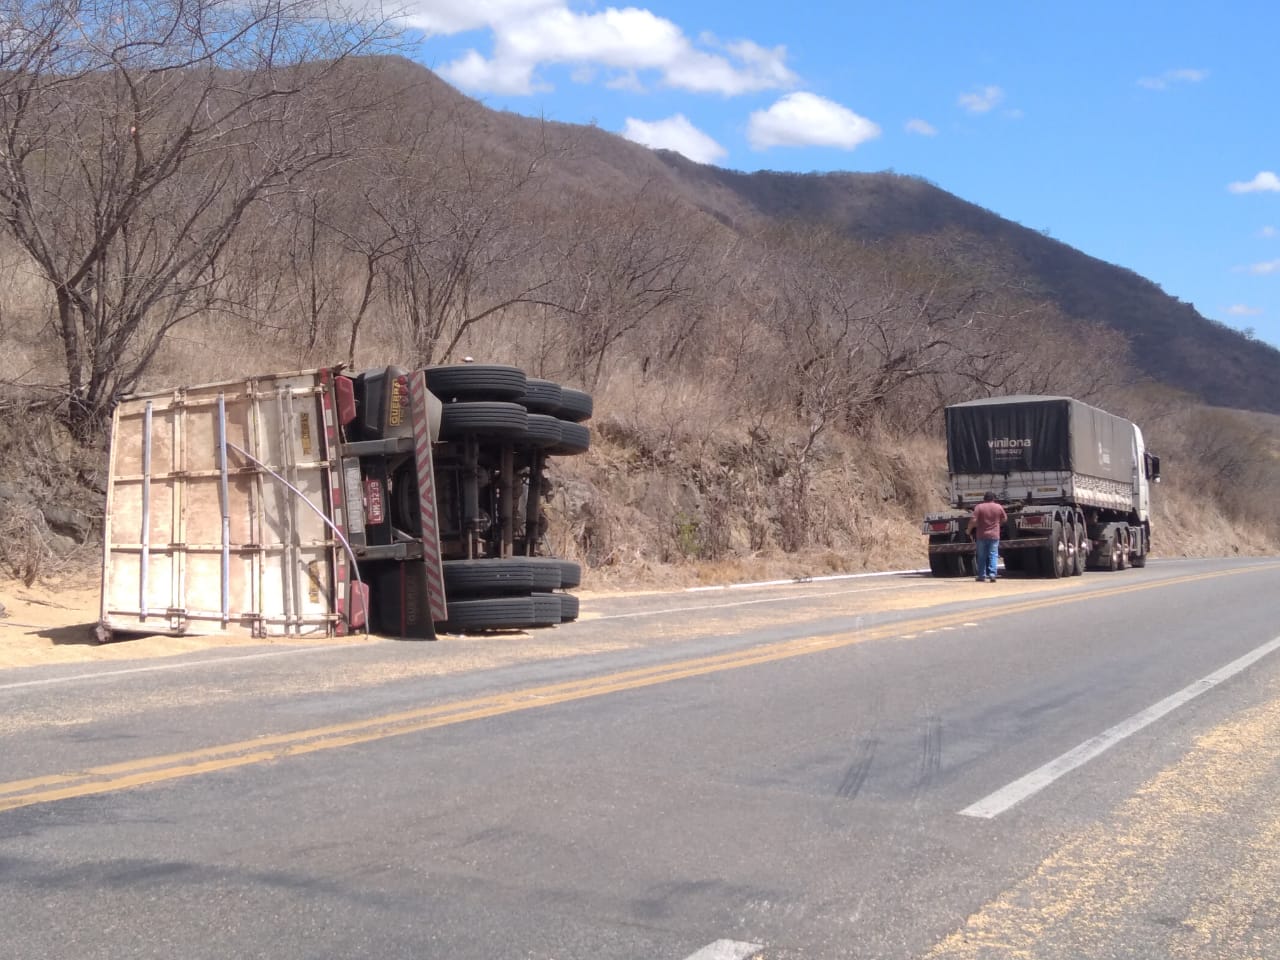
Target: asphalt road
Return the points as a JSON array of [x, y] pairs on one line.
[[891, 767]]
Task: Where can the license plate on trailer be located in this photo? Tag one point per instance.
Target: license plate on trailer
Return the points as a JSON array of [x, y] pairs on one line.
[[374, 510]]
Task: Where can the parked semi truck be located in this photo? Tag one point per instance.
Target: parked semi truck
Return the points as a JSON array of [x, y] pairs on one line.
[[321, 503], [1074, 480]]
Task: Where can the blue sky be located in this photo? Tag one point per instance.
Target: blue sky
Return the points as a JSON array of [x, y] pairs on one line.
[[1145, 134]]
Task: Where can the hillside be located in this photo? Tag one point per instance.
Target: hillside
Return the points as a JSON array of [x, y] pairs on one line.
[[1171, 342], [769, 353]]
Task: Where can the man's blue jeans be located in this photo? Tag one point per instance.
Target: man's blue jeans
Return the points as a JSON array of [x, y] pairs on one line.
[[988, 557]]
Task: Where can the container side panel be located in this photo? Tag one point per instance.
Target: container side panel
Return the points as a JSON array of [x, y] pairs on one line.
[[1101, 444], [1000, 438], [280, 551], [124, 586]]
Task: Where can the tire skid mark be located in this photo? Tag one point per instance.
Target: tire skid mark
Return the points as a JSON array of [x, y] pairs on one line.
[[930, 756], [864, 755]]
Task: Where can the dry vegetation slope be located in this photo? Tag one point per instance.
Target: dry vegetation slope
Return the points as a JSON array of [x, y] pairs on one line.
[[768, 385]]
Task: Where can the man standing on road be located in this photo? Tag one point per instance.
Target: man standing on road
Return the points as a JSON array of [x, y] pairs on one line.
[[985, 526]]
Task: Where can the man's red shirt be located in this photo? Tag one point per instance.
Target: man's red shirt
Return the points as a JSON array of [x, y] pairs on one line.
[[987, 517]]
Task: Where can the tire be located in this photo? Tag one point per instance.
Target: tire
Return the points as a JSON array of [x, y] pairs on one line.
[[575, 405], [1113, 551], [476, 381], [547, 609], [544, 431], [490, 613], [574, 439], [470, 578], [1123, 539], [494, 419], [1053, 561], [542, 396], [570, 574], [568, 608], [1139, 560], [1080, 554], [546, 572]]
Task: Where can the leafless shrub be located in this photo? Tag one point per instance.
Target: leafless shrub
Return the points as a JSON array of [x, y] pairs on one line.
[[137, 136]]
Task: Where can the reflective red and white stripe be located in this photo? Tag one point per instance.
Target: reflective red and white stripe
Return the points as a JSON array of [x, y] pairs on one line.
[[417, 384], [337, 502]]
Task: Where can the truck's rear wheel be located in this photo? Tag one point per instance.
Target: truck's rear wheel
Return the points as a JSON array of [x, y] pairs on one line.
[[547, 572], [541, 396], [491, 613], [1140, 559], [1054, 560], [1122, 539], [487, 577], [1113, 550], [543, 431], [568, 608], [486, 418], [548, 610], [574, 439], [1081, 556], [575, 405], [476, 381], [570, 573]]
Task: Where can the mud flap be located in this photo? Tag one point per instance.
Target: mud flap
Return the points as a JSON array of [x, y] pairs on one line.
[[403, 606]]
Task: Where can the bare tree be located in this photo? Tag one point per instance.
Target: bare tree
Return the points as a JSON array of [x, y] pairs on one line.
[[454, 226], [135, 135], [627, 264]]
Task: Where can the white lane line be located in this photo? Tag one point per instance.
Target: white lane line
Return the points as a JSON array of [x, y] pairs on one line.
[[784, 598], [726, 950], [49, 681], [802, 580], [997, 803]]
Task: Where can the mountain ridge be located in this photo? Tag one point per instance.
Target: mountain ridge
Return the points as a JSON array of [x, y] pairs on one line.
[[1170, 340]]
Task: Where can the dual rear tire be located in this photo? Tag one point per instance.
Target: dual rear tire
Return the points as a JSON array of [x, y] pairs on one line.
[[503, 413]]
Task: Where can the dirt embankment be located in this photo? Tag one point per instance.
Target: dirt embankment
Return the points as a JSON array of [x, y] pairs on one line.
[[45, 623]]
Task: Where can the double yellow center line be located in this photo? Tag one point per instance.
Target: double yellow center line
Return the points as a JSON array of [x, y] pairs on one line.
[[148, 770]]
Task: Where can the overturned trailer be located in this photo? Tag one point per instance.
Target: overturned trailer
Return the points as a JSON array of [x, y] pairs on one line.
[[1074, 480], [317, 503]]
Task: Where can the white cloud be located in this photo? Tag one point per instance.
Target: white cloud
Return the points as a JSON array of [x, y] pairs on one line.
[[628, 80], [1165, 80], [530, 33], [473, 72], [1264, 268], [808, 120], [922, 127], [444, 17], [1243, 310], [675, 133], [1266, 233], [1265, 181], [981, 100]]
